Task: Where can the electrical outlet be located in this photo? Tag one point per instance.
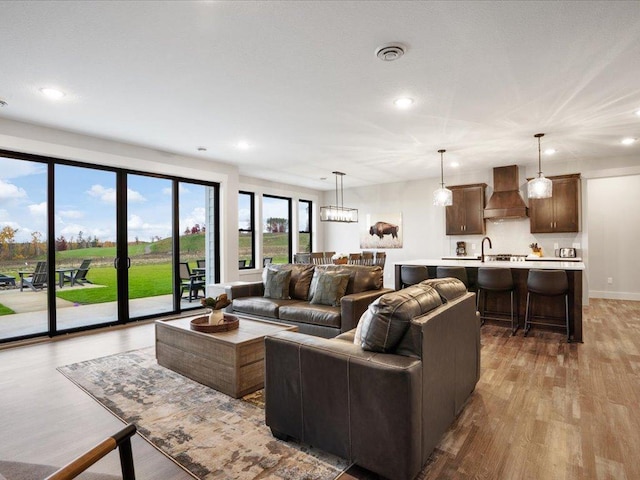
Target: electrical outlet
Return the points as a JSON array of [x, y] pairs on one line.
[[610, 280], [473, 246], [576, 245], [556, 246]]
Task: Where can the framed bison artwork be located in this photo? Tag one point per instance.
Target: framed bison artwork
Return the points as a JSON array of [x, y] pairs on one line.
[[382, 230]]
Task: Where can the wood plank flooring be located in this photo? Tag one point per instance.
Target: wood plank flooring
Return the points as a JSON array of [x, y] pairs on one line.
[[543, 409]]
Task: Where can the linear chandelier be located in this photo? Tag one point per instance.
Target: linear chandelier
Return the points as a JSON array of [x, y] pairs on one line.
[[338, 212], [442, 197], [539, 187]]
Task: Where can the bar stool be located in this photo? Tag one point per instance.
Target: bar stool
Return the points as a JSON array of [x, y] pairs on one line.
[[456, 272], [412, 274], [496, 280], [547, 283]]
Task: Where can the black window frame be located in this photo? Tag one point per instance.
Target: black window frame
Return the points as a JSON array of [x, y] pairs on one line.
[[309, 223], [251, 229], [289, 229]]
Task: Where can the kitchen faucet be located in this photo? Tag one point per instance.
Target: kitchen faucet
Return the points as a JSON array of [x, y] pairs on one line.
[[482, 248]]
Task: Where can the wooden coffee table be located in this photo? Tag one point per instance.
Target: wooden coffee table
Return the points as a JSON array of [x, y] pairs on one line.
[[230, 362]]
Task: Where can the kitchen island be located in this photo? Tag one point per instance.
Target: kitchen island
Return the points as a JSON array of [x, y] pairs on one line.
[[520, 272]]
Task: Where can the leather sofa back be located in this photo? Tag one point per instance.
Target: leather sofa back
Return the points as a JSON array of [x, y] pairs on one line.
[[362, 277]]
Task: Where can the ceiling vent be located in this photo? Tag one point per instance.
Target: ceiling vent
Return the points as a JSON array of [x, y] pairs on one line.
[[390, 52]]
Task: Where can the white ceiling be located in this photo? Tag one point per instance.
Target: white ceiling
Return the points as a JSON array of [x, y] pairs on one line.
[[300, 82]]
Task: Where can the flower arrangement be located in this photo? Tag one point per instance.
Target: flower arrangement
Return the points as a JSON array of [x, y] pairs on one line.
[[216, 303], [535, 249], [339, 258]]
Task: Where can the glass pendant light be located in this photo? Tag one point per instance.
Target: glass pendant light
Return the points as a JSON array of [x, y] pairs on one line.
[[539, 187], [442, 197]]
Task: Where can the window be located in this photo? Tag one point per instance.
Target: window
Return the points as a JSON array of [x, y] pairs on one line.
[[246, 221], [304, 226], [276, 234]]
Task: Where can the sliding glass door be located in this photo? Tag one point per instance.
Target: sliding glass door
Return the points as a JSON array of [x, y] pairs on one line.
[[85, 281], [149, 245], [83, 246], [23, 248]]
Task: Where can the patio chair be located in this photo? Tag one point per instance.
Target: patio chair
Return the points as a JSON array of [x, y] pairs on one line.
[[188, 281], [37, 280], [80, 275]]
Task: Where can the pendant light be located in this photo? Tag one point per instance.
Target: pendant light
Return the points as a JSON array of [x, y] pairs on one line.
[[338, 212], [442, 197], [539, 187]]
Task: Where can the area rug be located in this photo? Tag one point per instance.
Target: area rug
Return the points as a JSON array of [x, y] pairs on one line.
[[210, 434]]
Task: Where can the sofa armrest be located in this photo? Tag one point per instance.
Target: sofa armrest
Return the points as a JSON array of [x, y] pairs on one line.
[[354, 305], [251, 289], [334, 395]]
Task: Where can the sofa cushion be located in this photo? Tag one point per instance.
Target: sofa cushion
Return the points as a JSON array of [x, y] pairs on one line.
[[329, 288], [260, 306], [301, 275], [277, 284], [313, 314], [387, 319], [447, 288], [362, 278]]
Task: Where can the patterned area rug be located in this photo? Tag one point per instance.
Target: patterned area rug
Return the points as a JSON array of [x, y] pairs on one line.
[[210, 434]]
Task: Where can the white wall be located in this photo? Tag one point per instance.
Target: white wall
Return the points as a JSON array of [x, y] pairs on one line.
[[614, 231]]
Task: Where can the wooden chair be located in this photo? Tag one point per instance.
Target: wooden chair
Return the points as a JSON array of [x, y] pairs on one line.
[[37, 280], [80, 275], [317, 258], [201, 263], [327, 257], [190, 282], [381, 258], [367, 258], [355, 259], [302, 258]]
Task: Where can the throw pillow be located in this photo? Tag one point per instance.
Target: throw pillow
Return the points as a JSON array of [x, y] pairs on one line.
[[277, 284], [330, 288]]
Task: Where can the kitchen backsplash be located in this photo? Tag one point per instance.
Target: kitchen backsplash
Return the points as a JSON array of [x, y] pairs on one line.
[[513, 236]]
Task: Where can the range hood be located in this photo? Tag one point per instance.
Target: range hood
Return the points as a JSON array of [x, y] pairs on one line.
[[506, 201]]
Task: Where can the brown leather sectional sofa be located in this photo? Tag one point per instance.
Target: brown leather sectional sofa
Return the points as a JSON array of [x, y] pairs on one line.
[[363, 287], [385, 407]]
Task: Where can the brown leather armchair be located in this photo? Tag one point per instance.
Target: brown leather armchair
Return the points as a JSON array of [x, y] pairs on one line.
[[383, 411]]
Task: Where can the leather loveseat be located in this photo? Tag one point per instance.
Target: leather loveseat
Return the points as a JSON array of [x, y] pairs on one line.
[[301, 304], [386, 406]]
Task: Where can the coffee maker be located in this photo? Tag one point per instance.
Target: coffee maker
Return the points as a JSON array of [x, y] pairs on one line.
[[461, 249]]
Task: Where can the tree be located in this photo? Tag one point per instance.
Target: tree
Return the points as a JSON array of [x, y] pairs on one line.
[[61, 244], [36, 243], [276, 224], [7, 240]]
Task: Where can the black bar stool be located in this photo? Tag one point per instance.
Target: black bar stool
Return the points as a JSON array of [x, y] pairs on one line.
[[412, 274], [496, 280], [547, 283], [455, 272]]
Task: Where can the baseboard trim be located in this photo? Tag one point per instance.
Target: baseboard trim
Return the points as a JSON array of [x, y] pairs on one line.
[[615, 295]]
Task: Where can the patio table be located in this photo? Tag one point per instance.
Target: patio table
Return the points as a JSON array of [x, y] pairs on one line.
[[7, 280], [62, 271]]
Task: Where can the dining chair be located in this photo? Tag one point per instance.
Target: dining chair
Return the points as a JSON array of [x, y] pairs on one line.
[[317, 258], [367, 258], [355, 259]]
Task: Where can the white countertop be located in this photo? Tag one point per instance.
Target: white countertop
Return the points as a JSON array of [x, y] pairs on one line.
[[542, 264]]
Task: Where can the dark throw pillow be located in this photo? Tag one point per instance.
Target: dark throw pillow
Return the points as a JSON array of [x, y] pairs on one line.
[[329, 288], [277, 284]]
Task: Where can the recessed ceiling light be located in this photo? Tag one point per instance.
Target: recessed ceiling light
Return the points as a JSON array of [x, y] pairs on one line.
[[638, 113], [454, 164], [628, 141], [550, 151], [243, 145], [403, 103], [52, 93]]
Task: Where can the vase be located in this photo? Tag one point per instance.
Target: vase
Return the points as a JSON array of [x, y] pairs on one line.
[[340, 261], [216, 317]]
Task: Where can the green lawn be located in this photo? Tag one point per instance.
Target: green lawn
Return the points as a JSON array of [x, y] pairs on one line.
[[144, 281], [5, 310]]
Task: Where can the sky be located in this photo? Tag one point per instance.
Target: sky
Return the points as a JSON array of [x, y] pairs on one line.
[[85, 201]]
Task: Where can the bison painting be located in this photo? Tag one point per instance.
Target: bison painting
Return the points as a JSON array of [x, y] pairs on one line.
[[383, 228]]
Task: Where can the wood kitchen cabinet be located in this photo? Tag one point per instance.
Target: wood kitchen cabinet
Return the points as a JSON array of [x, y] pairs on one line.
[[561, 212], [466, 215]]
